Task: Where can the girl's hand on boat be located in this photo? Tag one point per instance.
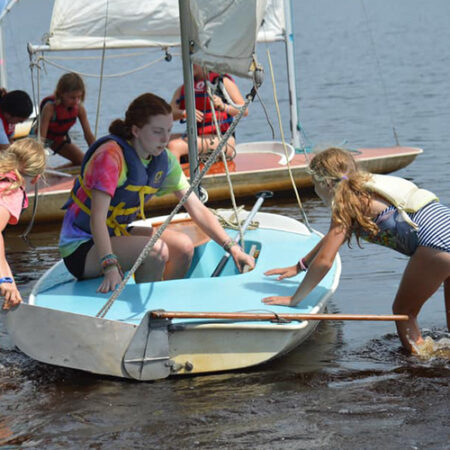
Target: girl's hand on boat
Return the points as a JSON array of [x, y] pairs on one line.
[[11, 294], [111, 280], [277, 300], [285, 272]]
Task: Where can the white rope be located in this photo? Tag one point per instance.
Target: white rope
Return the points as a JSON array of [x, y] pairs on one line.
[[150, 244], [102, 67], [380, 74], [233, 220], [224, 160], [291, 176], [94, 75]]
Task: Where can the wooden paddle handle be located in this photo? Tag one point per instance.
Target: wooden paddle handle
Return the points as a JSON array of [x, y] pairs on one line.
[[272, 316]]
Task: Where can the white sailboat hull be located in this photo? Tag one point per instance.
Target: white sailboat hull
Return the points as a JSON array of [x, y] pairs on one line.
[[59, 326], [99, 345]]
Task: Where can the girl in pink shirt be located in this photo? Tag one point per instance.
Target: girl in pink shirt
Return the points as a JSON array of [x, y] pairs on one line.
[[23, 159]]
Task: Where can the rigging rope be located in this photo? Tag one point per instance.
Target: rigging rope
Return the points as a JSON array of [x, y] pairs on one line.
[[26, 233], [383, 85], [102, 66], [150, 244], [305, 218], [224, 158], [94, 75]]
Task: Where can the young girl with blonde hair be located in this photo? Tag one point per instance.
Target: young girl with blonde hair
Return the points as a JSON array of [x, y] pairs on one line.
[[22, 159], [386, 210]]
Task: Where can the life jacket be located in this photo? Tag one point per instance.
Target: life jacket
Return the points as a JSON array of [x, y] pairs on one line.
[[403, 194], [203, 104], [129, 199], [62, 120], [9, 127]]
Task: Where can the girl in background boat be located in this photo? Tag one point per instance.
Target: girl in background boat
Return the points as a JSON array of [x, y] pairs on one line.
[[21, 160], [385, 210], [119, 174], [206, 130], [15, 107], [59, 112]]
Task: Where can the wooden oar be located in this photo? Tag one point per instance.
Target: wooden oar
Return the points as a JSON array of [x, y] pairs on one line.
[[159, 314], [261, 196]]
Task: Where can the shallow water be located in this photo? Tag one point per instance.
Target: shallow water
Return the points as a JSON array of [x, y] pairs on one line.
[[350, 385]]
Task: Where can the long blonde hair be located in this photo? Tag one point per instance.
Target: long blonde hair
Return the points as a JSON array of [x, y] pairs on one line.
[[25, 157], [350, 207]]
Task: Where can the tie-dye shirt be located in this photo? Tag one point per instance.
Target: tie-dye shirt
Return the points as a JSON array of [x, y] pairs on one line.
[[105, 171]]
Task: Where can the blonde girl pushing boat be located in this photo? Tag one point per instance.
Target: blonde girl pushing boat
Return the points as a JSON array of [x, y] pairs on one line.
[[386, 210]]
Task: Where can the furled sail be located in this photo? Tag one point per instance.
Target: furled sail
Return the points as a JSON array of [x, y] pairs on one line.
[[87, 24], [224, 34]]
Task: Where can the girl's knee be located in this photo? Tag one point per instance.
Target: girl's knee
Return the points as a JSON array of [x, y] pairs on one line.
[[187, 248], [159, 255]]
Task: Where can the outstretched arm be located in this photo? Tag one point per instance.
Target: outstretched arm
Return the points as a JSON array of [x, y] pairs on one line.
[[99, 210], [291, 271], [318, 266], [235, 95], [7, 290], [206, 220]]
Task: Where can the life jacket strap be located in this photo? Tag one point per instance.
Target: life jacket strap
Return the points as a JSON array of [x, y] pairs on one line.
[[142, 191]]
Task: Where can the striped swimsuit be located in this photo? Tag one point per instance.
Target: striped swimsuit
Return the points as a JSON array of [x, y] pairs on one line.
[[433, 222]]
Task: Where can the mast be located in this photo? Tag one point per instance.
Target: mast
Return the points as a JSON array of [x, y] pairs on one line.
[[188, 79], [289, 46], [3, 79]]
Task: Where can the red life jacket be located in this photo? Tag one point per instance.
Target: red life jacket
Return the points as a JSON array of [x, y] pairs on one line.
[[62, 120], [203, 104], [9, 127]]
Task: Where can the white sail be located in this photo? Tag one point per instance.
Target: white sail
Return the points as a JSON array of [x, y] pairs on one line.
[[87, 24], [224, 34]]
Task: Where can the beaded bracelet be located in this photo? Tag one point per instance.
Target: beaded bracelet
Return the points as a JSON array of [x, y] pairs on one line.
[[228, 244], [6, 280], [111, 266], [108, 257], [302, 266]]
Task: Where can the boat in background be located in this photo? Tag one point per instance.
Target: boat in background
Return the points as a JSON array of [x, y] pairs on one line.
[[22, 129], [250, 172], [257, 165]]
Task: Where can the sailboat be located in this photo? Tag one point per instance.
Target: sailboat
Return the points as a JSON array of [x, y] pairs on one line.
[[22, 129], [104, 25], [212, 320]]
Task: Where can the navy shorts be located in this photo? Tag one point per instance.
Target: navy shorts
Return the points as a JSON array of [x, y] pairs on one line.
[[76, 261]]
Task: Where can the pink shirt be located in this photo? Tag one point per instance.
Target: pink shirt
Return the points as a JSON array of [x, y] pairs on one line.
[[13, 201]]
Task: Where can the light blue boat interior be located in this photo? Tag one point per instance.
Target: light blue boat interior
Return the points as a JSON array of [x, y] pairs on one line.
[[230, 292]]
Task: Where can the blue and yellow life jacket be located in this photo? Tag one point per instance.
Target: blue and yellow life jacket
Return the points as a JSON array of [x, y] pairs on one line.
[[129, 199]]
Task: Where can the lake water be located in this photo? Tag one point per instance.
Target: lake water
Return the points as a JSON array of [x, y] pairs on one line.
[[364, 68]]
